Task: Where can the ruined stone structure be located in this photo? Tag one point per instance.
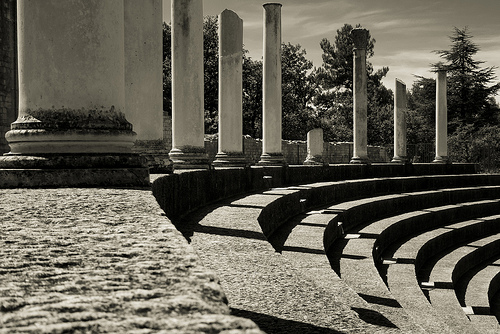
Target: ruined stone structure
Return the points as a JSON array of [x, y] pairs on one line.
[[400, 155], [441, 119]]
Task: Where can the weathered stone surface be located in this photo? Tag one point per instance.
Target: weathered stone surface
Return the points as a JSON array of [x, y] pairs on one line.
[[314, 147], [230, 150], [360, 106], [187, 85], [441, 119], [400, 123], [102, 260]]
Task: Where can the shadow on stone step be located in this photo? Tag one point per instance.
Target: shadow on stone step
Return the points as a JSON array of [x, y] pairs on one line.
[[274, 325]]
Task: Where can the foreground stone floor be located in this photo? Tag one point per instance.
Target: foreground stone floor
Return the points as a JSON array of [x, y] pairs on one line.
[[102, 261]]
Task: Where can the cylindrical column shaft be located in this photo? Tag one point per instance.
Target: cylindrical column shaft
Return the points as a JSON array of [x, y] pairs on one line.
[[314, 147], [271, 86], [71, 128], [188, 149], [230, 90], [360, 106], [71, 79], [143, 68], [400, 123], [441, 119]]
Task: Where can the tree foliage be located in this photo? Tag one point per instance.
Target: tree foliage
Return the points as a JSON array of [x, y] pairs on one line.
[[473, 114], [298, 88], [470, 87], [334, 103]]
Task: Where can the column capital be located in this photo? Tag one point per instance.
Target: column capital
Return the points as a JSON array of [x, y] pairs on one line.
[[269, 4], [359, 37]]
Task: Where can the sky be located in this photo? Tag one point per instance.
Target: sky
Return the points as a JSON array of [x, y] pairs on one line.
[[406, 31]]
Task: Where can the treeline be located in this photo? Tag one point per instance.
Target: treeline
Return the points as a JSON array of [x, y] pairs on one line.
[[322, 97]]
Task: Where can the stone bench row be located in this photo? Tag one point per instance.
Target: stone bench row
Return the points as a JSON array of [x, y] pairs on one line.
[[402, 272], [294, 200], [291, 201], [362, 254]]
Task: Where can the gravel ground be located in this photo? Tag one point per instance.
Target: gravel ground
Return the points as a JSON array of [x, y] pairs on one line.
[[102, 261]]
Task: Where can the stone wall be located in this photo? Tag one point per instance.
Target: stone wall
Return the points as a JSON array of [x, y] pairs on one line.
[[295, 152], [8, 69]]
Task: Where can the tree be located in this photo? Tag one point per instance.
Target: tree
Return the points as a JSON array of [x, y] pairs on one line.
[[470, 87], [167, 69], [335, 101], [298, 88], [252, 96], [210, 65], [337, 68], [211, 73]]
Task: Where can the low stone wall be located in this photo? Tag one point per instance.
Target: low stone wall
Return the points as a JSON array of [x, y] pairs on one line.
[[295, 151], [206, 186]]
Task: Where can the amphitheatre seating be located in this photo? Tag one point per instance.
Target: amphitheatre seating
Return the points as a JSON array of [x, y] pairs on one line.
[[358, 258], [371, 228], [424, 245]]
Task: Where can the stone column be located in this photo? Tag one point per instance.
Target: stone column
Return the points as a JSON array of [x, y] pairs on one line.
[[188, 148], [271, 86], [400, 123], [143, 68], [360, 151], [314, 147], [441, 119], [72, 94], [144, 80], [230, 91]]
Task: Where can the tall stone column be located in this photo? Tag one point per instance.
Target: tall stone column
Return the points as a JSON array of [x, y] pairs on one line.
[[360, 106], [400, 123], [72, 94], [143, 68], [230, 91], [271, 86], [188, 148], [144, 80], [441, 119], [314, 147]]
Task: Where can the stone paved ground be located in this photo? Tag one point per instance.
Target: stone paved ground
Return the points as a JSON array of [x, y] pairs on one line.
[[102, 261]]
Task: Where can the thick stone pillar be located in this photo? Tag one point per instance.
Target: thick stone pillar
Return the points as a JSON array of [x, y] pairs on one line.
[[400, 123], [360, 104], [271, 86], [230, 91], [72, 94], [441, 119], [314, 147], [143, 68], [188, 148]]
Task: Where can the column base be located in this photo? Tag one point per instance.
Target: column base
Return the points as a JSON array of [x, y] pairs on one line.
[[314, 161], [120, 170], [399, 160], [193, 158], [272, 159], [230, 159], [360, 161], [441, 160]]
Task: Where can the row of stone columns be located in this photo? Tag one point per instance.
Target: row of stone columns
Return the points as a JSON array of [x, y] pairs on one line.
[[187, 87], [77, 88]]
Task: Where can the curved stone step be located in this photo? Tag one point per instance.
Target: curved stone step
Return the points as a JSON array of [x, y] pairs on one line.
[[264, 284], [403, 269], [477, 301], [364, 248]]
